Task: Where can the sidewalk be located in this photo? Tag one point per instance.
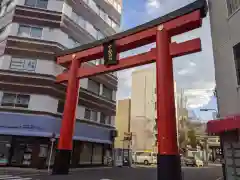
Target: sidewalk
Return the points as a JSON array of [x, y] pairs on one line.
[[214, 164], [31, 170]]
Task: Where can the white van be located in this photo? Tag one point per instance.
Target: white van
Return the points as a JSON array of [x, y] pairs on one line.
[[144, 157]]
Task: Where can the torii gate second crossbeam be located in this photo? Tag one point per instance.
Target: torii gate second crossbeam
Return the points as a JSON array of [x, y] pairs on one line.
[[160, 31]]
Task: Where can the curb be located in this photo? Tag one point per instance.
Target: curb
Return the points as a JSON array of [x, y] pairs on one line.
[[46, 171], [82, 169]]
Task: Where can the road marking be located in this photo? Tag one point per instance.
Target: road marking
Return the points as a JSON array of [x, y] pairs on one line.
[[11, 177], [105, 179], [21, 179], [220, 178], [5, 176]]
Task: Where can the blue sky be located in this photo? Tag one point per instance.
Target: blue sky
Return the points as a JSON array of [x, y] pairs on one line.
[[193, 73]]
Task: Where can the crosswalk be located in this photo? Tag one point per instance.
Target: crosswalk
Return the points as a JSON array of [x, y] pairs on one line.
[[13, 177]]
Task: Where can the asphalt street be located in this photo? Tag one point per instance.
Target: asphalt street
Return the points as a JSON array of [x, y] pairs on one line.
[[116, 173]]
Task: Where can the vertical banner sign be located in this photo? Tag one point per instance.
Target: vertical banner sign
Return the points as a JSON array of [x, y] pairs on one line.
[[110, 53]]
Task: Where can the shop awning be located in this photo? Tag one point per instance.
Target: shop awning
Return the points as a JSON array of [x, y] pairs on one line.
[[24, 133], [225, 124], [48, 134], [44, 126], [92, 140]]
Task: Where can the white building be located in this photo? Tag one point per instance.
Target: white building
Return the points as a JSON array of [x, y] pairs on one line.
[[31, 31]]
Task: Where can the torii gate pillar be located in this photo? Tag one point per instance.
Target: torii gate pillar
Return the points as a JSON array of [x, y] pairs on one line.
[[169, 166]]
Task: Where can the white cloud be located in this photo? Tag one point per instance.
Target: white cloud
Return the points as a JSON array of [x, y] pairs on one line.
[[152, 5], [156, 8], [194, 73], [198, 97]]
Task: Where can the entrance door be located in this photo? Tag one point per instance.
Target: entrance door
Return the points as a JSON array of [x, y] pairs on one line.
[[22, 153]]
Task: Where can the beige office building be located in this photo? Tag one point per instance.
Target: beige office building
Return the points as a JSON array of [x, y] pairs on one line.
[[143, 109], [122, 123], [122, 145]]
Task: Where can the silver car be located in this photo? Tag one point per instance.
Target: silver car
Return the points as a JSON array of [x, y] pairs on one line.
[[146, 158]]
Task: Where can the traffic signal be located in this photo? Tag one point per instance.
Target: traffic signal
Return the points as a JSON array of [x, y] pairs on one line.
[[110, 53]]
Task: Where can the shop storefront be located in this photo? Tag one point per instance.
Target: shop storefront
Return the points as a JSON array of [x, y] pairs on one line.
[[229, 131], [25, 141]]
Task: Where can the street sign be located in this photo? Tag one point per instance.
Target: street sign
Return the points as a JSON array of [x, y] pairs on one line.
[[218, 151], [52, 139], [110, 53]]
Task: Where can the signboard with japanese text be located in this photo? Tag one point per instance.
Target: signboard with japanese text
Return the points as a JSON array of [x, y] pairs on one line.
[[110, 53]]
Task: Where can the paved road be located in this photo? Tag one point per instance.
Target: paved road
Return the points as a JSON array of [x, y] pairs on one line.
[[139, 173]]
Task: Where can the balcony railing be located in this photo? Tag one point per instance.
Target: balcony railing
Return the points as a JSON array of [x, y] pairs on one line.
[[102, 14], [115, 4], [80, 21]]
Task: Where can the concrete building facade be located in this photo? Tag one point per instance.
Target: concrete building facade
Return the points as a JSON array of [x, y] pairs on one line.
[[225, 27], [143, 109], [122, 123], [225, 20], [31, 32]]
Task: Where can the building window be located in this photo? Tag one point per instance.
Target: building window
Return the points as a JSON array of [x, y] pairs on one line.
[[119, 8], [232, 6], [15, 100], [6, 7], [100, 35], [37, 3], [91, 29], [29, 31], [86, 153], [107, 92], [104, 119], [91, 115], [94, 6], [60, 107], [72, 43], [236, 52], [94, 115], [108, 120], [93, 86], [97, 154], [22, 64], [87, 114]]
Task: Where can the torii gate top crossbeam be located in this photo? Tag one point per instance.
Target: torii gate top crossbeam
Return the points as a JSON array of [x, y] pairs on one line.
[[141, 35]]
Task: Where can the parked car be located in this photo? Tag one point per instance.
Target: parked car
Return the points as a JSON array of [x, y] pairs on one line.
[[189, 161], [192, 161], [144, 157], [199, 163]]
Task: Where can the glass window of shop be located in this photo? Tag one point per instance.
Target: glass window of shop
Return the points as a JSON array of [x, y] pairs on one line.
[[22, 154], [97, 154], [5, 144], [86, 154], [107, 153]]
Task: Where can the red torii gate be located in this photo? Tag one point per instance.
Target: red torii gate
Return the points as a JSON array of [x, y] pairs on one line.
[[160, 31]]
